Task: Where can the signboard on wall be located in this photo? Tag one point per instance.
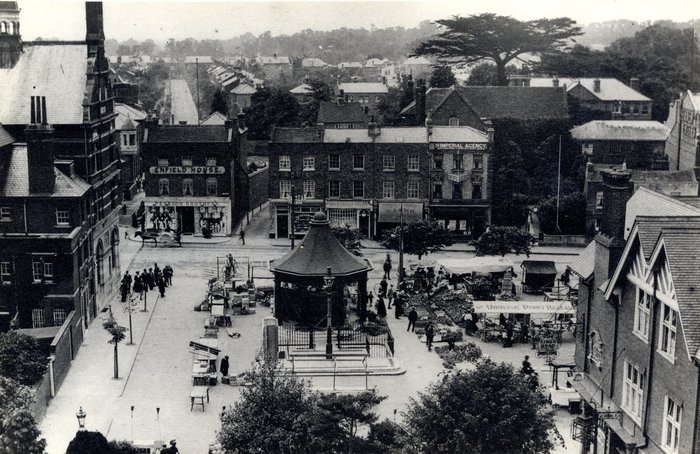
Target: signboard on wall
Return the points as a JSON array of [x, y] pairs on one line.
[[391, 212], [459, 146], [187, 170], [523, 307]]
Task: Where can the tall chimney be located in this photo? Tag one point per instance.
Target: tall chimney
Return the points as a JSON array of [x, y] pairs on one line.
[[596, 85], [634, 83], [555, 82], [94, 28], [40, 145], [419, 97], [617, 190]]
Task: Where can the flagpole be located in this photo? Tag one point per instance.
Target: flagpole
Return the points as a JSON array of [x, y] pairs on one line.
[[559, 185], [401, 247]]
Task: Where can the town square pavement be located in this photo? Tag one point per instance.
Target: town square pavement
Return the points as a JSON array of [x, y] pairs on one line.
[[155, 372]]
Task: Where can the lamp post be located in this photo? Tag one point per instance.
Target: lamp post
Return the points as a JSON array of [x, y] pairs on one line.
[[328, 281], [81, 415], [291, 218], [401, 276], [145, 298]]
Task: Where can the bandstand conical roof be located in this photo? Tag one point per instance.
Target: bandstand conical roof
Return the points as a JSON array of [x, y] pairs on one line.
[[317, 251]]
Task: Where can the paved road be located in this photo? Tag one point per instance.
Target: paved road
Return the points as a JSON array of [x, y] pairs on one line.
[[182, 105]]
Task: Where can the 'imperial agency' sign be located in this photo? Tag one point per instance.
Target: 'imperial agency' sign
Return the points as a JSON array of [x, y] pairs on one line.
[[189, 170], [458, 146]]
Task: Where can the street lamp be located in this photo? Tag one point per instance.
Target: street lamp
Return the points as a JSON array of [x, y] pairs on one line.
[[81, 415], [328, 281]]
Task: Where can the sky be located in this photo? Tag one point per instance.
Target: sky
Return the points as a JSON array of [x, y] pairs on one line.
[[65, 19]]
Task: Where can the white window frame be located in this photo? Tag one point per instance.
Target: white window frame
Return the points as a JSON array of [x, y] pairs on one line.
[[163, 183], [6, 272], [187, 182], [330, 162], [412, 189], [211, 162], [5, 214], [388, 163], [330, 189], [599, 200], [38, 319], [413, 163], [453, 121], [59, 316], [62, 218], [633, 382], [285, 163], [187, 161], [353, 161], [642, 315], [354, 195], [595, 349], [309, 163], [48, 272], [163, 162], [309, 187], [37, 271], [670, 435], [668, 331], [441, 160], [285, 189], [388, 190], [212, 187]]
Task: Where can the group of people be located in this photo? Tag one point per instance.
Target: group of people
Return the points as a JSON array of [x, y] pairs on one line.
[[141, 283]]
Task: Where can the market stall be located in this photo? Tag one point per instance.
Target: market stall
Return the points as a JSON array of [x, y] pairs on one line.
[[538, 276], [482, 265]]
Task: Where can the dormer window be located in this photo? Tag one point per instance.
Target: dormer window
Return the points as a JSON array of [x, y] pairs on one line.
[[453, 121]]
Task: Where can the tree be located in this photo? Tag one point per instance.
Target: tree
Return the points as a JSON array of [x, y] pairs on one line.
[[488, 410], [390, 106], [498, 240], [320, 92], [272, 415], [21, 358], [348, 237], [19, 433], [572, 215], [117, 333], [442, 77], [87, 441], [419, 238], [219, 103], [499, 39], [270, 107]]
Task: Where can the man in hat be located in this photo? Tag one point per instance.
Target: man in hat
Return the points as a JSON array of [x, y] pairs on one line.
[[172, 449]]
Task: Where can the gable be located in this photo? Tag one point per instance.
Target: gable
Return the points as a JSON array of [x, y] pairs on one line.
[[454, 106]]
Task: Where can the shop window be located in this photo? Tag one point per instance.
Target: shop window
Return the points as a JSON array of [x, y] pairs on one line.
[[334, 188], [5, 272], [672, 425], [334, 162], [388, 162], [309, 189], [211, 186], [437, 161], [358, 162], [413, 163], [285, 163], [164, 186], [633, 392], [388, 189], [358, 189], [309, 163], [285, 189], [187, 187]]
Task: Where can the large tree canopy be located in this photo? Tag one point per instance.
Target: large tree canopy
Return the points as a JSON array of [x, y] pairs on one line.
[[500, 39], [21, 358], [19, 433], [419, 238]]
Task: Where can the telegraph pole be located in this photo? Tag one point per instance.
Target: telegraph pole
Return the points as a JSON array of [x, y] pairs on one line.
[[291, 218], [401, 245]]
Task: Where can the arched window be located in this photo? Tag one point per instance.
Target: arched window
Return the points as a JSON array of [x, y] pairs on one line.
[[99, 263], [11, 28], [3, 27]]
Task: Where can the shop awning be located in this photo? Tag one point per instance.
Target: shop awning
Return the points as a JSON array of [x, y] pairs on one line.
[[487, 264], [523, 307], [391, 211]]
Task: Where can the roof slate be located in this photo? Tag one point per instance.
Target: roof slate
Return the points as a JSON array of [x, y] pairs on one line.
[[363, 87], [54, 70], [126, 115], [186, 133], [629, 130], [649, 228], [296, 135], [611, 89], [332, 112], [5, 137], [584, 263]]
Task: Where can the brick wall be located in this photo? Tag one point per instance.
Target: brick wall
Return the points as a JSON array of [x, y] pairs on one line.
[[258, 187], [455, 107]]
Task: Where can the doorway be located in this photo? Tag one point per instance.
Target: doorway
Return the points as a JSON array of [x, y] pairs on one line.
[[282, 226], [187, 219]]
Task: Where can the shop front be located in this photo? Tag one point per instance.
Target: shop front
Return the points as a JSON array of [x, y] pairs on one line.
[[189, 215], [389, 214], [468, 221], [283, 212], [357, 214]]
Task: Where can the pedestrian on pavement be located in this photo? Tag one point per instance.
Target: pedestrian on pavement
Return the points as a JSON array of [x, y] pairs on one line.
[[156, 272], [381, 308], [412, 318], [168, 275], [145, 278], [527, 367], [152, 280], [383, 285], [370, 298], [224, 366], [124, 289], [161, 287], [242, 237], [390, 294], [126, 234], [387, 267], [127, 278], [429, 335], [172, 449], [398, 307], [138, 284]]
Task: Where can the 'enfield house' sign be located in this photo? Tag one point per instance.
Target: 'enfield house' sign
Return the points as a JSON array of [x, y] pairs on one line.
[[187, 170]]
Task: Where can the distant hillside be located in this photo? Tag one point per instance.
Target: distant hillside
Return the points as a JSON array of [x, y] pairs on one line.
[[602, 34]]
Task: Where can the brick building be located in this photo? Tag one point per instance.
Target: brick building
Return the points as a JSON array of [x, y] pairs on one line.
[[341, 115], [683, 144], [128, 129], [364, 177], [367, 94], [68, 83], [276, 67], [638, 337], [196, 177]]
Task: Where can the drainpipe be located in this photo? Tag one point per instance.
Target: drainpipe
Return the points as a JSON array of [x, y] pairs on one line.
[[697, 405], [615, 330], [585, 328], [650, 363]]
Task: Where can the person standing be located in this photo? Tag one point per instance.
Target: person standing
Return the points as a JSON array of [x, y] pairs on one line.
[[124, 289], [381, 308], [161, 287], [370, 298], [387, 267], [382, 287], [138, 285], [224, 366], [168, 273], [127, 277], [412, 318], [242, 236], [156, 272], [429, 335], [398, 307], [390, 294]]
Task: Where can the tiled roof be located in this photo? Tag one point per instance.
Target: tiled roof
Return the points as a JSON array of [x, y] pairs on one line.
[[416, 61], [126, 115], [244, 89], [695, 99], [274, 60], [230, 81], [629, 130], [648, 178], [186, 133], [15, 176], [332, 112], [5, 137], [521, 103], [649, 228], [584, 263], [302, 89], [313, 62], [610, 89], [646, 202], [56, 71], [681, 246], [363, 87], [387, 135], [214, 118], [460, 134], [296, 135]]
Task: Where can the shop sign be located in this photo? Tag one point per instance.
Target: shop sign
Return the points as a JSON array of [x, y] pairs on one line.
[[187, 170], [523, 307], [459, 146], [391, 212], [178, 203]]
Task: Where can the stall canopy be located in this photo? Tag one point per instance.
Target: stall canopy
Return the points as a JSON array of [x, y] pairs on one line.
[[523, 307], [486, 264]]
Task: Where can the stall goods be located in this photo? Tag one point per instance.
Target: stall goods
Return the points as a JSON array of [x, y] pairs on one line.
[[464, 352]]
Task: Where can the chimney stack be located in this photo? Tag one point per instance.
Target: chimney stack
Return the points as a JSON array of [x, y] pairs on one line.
[[419, 97], [40, 145], [555, 82], [617, 190], [94, 29], [596, 85], [373, 129], [634, 83], [341, 97]]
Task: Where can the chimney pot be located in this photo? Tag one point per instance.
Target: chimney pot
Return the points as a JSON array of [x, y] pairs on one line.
[[634, 83], [596, 85]]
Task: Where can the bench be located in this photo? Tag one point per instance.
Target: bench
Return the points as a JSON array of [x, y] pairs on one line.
[[197, 396]]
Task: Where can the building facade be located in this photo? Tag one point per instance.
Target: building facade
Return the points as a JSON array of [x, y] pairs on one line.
[[683, 145], [129, 135], [195, 178], [370, 178], [367, 94], [69, 82]]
